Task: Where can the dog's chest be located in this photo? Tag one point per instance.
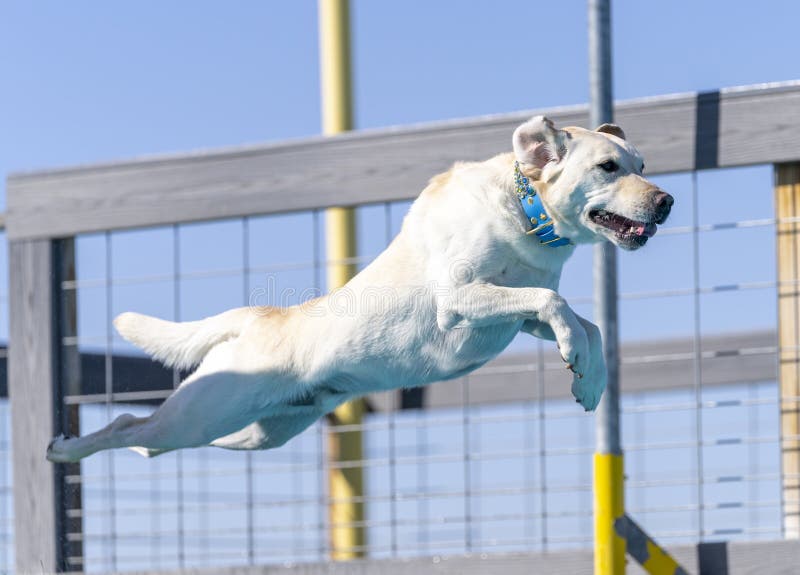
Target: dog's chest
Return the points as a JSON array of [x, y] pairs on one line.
[[459, 351], [418, 352]]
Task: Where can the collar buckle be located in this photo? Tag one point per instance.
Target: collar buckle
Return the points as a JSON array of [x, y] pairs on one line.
[[534, 209]]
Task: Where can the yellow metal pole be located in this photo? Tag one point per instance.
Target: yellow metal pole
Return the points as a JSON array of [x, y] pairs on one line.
[[609, 555], [345, 480], [334, 57]]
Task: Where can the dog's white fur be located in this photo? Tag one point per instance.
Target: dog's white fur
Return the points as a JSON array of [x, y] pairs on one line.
[[449, 294]]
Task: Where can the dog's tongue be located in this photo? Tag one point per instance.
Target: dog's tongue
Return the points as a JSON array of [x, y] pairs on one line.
[[648, 230]]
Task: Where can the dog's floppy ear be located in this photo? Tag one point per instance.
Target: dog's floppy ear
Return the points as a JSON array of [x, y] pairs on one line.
[[612, 129], [537, 142]]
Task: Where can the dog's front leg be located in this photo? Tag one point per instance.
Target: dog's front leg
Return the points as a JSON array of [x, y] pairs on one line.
[[483, 304], [597, 374], [538, 329]]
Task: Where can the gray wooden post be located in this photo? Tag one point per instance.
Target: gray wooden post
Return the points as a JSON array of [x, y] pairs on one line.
[[35, 381]]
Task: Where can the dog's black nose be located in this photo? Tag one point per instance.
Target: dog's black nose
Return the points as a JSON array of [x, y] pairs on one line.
[[663, 205], [664, 200]]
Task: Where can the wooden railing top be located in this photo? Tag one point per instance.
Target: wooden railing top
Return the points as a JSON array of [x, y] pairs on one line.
[[682, 132]]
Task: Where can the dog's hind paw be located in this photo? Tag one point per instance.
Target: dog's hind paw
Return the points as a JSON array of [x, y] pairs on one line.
[[56, 452], [588, 390]]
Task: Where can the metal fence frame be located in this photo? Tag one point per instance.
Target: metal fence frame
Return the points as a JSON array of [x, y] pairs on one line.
[[46, 209]]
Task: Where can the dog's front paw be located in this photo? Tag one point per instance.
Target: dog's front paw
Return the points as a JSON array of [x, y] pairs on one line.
[[588, 385], [57, 451], [588, 390], [574, 350]]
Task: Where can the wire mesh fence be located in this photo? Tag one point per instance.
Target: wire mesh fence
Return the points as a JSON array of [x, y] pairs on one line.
[[473, 481], [467, 475]]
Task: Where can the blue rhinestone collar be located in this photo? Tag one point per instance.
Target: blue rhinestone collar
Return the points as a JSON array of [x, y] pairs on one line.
[[534, 209]]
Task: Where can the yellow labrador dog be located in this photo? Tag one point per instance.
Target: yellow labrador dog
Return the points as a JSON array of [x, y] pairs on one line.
[[477, 261]]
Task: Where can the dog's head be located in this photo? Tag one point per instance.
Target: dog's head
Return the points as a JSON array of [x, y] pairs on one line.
[[591, 182]]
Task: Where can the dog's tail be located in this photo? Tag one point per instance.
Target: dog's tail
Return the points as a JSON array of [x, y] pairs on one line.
[[180, 345]]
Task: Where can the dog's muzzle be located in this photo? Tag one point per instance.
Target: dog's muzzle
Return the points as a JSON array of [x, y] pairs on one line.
[[632, 234]]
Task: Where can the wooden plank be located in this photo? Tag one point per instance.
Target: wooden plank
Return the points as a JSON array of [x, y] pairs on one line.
[[743, 558], [754, 125], [759, 130], [572, 562], [787, 205], [35, 411], [757, 558], [131, 374]]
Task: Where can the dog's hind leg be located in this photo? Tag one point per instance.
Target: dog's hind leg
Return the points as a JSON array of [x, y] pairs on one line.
[[288, 420], [265, 433], [200, 411], [268, 432], [273, 430]]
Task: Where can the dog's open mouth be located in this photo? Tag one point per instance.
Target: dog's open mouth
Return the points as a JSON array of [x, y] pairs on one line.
[[629, 232]]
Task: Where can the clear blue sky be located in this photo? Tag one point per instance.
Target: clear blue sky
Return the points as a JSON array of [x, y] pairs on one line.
[[90, 80]]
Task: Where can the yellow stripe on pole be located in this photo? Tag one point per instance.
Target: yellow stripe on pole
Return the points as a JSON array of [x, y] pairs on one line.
[[345, 480], [659, 562], [609, 547]]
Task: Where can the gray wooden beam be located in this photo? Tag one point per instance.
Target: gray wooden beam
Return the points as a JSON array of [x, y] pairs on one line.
[[736, 358], [732, 127], [33, 366], [743, 558]]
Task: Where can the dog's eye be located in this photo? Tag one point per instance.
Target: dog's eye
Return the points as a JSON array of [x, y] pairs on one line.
[[642, 170], [609, 166]]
